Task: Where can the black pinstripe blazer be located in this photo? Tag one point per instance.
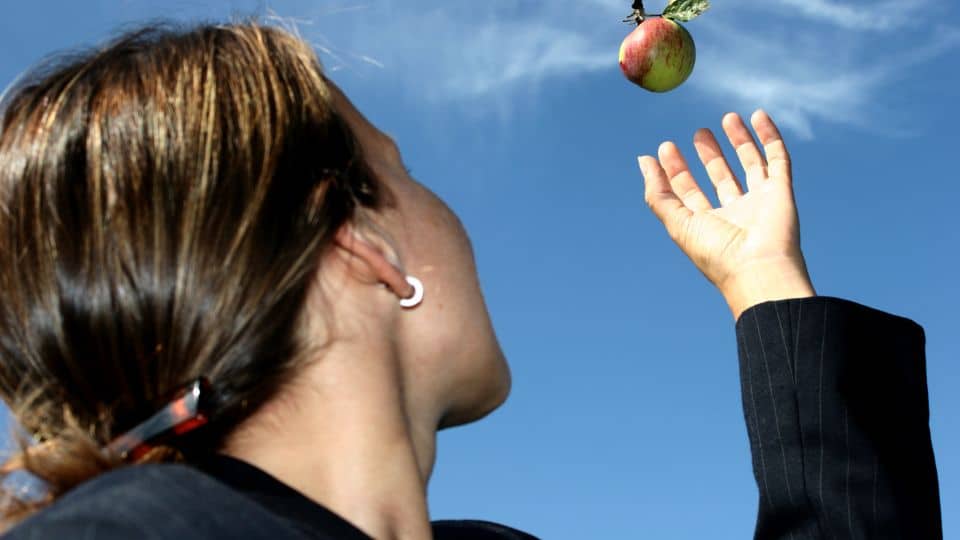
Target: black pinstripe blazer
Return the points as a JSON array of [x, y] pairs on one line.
[[220, 498], [835, 399]]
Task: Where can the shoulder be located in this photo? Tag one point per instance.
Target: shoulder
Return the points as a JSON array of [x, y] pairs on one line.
[[153, 502], [476, 530]]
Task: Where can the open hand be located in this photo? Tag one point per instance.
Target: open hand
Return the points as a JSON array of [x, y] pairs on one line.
[[749, 247]]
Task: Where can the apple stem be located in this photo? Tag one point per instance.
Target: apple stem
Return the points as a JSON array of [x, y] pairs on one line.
[[639, 14]]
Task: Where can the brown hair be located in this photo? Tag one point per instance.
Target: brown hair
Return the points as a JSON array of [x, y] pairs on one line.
[[164, 204]]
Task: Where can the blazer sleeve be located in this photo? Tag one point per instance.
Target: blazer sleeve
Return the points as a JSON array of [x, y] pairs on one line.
[[835, 400]]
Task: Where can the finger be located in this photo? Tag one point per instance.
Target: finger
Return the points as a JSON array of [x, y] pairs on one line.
[[660, 197], [750, 158], [681, 180], [778, 158], [728, 189]]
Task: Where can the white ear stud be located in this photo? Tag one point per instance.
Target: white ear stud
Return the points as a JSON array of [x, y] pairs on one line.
[[417, 296]]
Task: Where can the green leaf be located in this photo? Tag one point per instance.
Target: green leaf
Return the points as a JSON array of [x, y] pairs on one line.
[[685, 10]]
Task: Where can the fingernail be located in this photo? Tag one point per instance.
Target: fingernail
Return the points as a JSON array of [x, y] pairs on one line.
[[642, 172]]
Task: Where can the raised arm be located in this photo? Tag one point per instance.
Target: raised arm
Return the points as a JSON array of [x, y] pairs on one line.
[[835, 398], [834, 393]]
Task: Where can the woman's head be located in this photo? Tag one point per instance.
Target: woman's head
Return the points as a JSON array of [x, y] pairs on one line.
[[169, 208]]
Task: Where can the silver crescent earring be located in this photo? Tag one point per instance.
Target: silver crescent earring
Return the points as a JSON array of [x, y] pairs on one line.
[[417, 296]]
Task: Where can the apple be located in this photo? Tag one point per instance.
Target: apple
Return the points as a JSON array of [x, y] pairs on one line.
[[658, 55]]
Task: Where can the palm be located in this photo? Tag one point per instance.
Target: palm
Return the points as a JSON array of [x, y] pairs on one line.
[[760, 225], [747, 228]]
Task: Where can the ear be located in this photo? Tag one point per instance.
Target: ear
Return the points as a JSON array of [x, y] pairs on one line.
[[374, 259]]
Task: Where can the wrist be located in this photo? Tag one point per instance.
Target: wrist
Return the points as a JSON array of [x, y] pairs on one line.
[[766, 281]]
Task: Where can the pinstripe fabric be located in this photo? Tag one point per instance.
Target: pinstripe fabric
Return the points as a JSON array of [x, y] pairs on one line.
[[835, 400], [230, 500]]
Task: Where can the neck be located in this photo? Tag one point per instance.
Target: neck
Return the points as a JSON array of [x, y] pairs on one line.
[[345, 436]]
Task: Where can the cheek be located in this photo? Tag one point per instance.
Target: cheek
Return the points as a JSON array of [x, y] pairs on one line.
[[442, 233], [438, 248], [458, 253]]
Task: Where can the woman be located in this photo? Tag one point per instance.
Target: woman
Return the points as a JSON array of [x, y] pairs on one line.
[[224, 274]]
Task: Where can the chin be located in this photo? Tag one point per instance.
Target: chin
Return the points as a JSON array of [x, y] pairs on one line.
[[481, 396]]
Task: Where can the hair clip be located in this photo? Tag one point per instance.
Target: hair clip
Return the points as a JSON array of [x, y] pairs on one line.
[[191, 408]]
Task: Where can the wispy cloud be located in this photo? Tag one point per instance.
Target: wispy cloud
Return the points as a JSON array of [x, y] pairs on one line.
[[443, 51], [805, 84], [884, 15], [809, 62]]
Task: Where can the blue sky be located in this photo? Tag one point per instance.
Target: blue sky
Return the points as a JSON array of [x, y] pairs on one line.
[[515, 112]]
